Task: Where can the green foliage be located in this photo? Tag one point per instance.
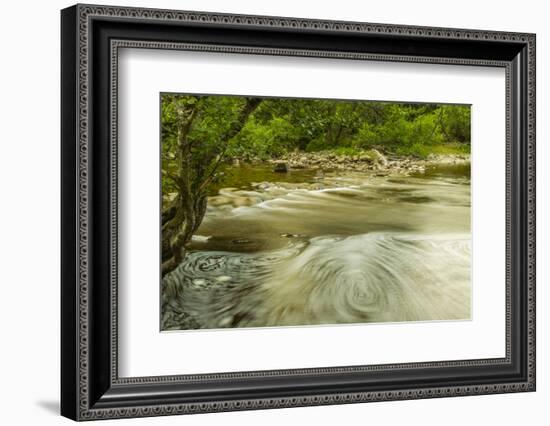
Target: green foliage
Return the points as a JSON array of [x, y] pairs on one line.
[[214, 117], [348, 151], [259, 140], [418, 130], [278, 126], [317, 144], [455, 122]]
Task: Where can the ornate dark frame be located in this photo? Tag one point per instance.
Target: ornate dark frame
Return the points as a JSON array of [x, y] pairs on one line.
[[91, 37]]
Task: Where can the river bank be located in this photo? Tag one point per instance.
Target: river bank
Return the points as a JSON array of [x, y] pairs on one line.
[[365, 161], [318, 170]]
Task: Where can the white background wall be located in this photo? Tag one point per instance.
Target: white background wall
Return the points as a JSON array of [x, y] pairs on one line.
[[29, 212]]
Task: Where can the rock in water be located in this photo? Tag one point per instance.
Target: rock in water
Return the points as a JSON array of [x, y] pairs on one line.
[[241, 241], [226, 321], [379, 158], [280, 167]]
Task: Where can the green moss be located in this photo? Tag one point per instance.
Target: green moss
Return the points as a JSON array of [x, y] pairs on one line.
[[347, 151]]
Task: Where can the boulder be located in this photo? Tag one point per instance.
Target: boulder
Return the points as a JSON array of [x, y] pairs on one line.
[[296, 165], [365, 157], [280, 167], [378, 157]]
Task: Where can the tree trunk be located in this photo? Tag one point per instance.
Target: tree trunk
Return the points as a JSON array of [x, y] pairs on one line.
[[177, 232], [185, 214]]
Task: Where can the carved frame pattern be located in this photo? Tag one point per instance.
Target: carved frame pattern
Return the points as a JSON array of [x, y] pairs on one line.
[[85, 13]]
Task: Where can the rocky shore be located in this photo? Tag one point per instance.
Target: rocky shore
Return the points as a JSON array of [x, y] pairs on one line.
[[372, 162], [366, 161]]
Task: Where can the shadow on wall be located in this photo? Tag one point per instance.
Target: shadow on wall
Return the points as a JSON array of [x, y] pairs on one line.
[[50, 406]]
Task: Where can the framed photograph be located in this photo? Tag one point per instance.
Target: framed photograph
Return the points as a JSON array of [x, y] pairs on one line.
[[263, 212]]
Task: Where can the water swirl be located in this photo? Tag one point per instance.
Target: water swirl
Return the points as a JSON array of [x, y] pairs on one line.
[[347, 248], [373, 277]]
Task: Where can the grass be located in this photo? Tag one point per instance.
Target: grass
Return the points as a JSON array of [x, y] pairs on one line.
[[415, 150], [423, 151]]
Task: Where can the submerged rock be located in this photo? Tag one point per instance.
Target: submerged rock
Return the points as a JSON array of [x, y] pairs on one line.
[[226, 321], [280, 167], [241, 241]]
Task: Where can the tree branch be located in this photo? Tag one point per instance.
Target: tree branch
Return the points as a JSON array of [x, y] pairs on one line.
[[249, 108]]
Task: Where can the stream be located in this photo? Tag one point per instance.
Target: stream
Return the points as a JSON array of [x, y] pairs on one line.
[[306, 248]]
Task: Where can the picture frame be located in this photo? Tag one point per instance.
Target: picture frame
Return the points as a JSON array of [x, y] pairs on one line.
[[90, 384]]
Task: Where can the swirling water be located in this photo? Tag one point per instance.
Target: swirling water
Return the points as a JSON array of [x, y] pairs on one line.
[[343, 248]]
